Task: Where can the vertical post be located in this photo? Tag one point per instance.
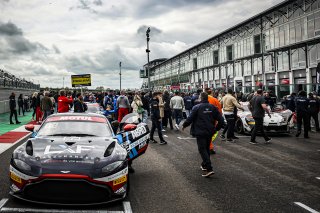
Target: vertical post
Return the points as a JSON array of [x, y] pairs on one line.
[[148, 51], [63, 82], [120, 75]]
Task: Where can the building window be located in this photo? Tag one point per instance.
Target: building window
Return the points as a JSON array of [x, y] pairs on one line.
[[195, 64], [216, 57], [257, 44], [229, 53]]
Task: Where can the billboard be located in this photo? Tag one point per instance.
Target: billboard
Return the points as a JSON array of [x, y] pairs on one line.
[[81, 80]]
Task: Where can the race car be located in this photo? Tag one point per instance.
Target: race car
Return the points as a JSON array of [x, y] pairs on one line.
[[76, 159], [280, 121]]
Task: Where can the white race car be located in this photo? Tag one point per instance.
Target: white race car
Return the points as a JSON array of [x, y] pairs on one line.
[[280, 121]]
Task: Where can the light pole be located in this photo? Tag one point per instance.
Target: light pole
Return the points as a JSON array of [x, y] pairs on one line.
[[120, 75], [148, 51]]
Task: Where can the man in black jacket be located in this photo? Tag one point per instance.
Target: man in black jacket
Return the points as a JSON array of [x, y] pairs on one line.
[[155, 118], [167, 111], [203, 118], [314, 108], [302, 105], [13, 108], [79, 105]]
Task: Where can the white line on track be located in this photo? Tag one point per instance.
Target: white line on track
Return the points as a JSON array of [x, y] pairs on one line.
[[305, 207], [187, 138], [318, 178], [127, 207], [3, 202]]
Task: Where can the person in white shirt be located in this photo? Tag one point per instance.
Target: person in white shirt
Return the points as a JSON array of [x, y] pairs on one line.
[[177, 105]]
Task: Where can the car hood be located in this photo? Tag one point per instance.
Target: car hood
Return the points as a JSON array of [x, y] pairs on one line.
[[76, 155]]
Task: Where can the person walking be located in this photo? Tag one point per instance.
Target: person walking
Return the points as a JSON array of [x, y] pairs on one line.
[[177, 105], [290, 102], [123, 105], [63, 102], [13, 108], [156, 119], [146, 107], [188, 103], [302, 105], [20, 104], [206, 120], [136, 105], [229, 103], [314, 108], [46, 105], [258, 108], [167, 111], [33, 104], [39, 113], [79, 105]]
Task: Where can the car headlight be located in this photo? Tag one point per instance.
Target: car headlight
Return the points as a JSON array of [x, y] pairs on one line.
[[112, 166], [22, 165]]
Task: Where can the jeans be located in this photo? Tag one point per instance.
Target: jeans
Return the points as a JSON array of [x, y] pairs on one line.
[[46, 113], [177, 115], [204, 150], [21, 108], [188, 112], [167, 116], [144, 116], [230, 126], [316, 120], [258, 127], [306, 121], [156, 124], [13, 112]]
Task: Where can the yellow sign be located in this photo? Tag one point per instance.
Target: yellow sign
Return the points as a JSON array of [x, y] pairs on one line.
[[15, 177], [120, 180], [81, 80]]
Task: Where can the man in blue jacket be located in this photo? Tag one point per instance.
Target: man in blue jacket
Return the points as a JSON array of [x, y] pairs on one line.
[[206, 120]]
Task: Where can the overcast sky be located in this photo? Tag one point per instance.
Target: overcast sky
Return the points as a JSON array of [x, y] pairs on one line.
[[46, 40]]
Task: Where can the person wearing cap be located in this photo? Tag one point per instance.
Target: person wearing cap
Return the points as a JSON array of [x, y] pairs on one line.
[[302, 110]]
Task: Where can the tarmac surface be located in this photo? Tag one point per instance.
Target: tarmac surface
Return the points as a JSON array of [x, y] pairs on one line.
[[280, 177]]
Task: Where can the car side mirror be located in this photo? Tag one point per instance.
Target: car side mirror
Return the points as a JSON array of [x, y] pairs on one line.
[[29, 127], [129, 127]]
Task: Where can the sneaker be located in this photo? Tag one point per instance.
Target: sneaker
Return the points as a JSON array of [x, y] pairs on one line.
[[268, 141], [222, 137], [163, 130], [230, 140], [253, 142], [176, 126], [212, 152], [202, 168], [18, 122], [235, 137], [208, 174], [153, 141], [298, 133], [163, 142], [11, 123]]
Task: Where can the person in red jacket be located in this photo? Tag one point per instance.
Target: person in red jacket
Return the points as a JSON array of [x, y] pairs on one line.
[[63, 102]]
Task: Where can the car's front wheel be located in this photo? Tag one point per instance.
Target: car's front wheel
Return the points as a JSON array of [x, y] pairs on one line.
[[239, 126]]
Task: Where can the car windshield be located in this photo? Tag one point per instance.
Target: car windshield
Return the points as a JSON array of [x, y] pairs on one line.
[[93, 108], [75, 128]]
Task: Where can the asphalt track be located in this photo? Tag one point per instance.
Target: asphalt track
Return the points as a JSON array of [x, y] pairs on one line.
[[280, 177]]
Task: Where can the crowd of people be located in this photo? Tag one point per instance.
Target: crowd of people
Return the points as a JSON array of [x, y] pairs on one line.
[[203, 110]]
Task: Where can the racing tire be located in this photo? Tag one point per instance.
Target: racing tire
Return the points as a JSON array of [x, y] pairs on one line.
[[239, 126]]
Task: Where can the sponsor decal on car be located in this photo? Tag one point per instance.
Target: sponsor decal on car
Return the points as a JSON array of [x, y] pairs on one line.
[[77, 150], [120, 180], [139, 142], [77, 118], [114, 176]]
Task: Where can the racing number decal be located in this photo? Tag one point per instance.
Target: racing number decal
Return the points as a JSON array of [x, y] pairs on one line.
[[120, 180]]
